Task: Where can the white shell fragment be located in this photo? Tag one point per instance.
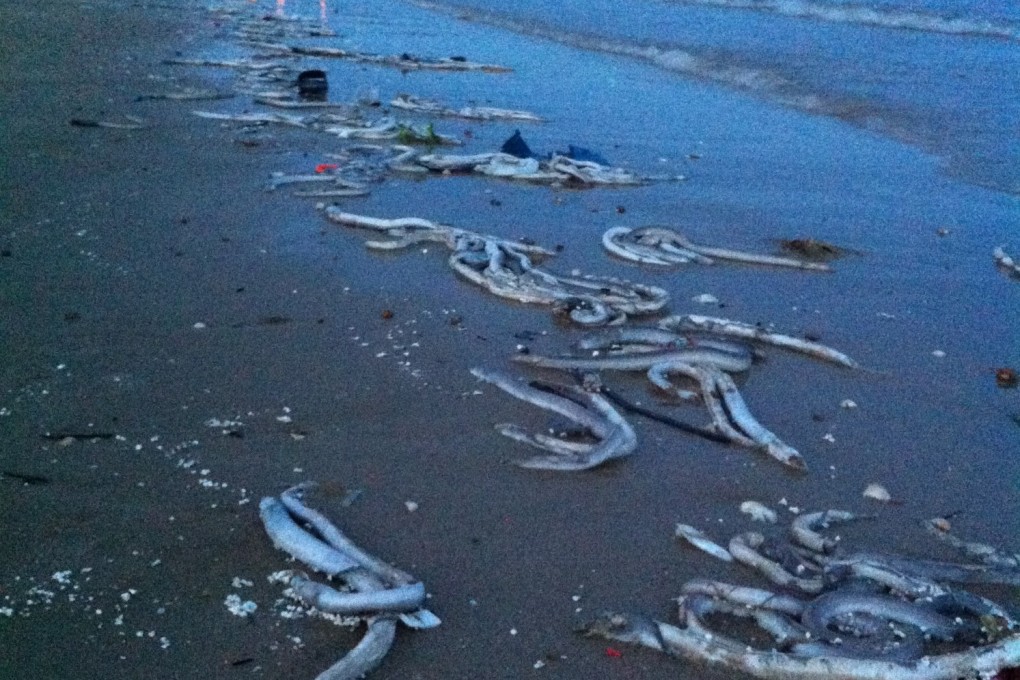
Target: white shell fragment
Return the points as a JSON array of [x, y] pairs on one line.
[[758, 512], [848, 403], [877, 492], [698, 539]]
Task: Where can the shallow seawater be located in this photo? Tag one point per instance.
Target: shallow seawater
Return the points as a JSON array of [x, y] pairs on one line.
[[941, 77]]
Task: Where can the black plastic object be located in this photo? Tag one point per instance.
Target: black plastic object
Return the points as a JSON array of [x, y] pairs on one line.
[[312, 84]]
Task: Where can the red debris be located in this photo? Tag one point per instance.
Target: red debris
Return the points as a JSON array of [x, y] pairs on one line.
[[614, 653], [1006, 377], [323, 167]]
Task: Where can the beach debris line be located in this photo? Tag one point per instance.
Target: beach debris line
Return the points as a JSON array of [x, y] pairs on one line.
[[378, 591], [388, 128], [185, 94], [558, 169], [578, 167], [613, 436], [260, 118], [858, 616], [666, 247], [280, 26], [506, 269], [410, 102], [404, 62]]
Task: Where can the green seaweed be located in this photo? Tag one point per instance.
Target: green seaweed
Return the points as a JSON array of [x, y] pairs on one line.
[[408, 135]]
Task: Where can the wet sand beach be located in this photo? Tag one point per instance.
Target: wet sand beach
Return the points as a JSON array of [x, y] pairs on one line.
[[181, 341]]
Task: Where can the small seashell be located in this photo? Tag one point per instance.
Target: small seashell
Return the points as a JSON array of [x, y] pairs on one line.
[[877, 492], [848, 403], [758, 512]]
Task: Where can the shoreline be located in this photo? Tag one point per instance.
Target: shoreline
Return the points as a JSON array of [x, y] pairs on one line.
[[119, 242]]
